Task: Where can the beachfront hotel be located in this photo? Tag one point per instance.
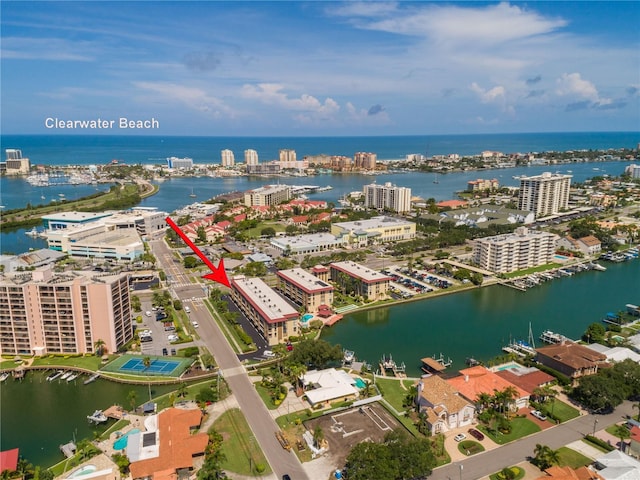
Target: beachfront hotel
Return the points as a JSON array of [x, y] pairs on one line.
[[267, 195], [514, 251], [305, 289], [271, 314], [387, 197], [545, 194], [354, 278], [42, 312], [375, 230]]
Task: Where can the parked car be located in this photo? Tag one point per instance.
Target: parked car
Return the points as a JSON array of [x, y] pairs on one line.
[[459, 437], [268, 354], [173, 337], [478, 435], [538, 414], [165, 352]]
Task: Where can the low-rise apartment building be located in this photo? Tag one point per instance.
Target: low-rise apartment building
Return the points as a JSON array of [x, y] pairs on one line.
[[267, 195], [354, 278], [514, 251], [42, 312], [271, 314], [305, 289]]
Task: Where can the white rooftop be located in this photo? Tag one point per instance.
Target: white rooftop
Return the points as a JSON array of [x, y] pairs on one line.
[[328, 384], [618, 466], [309, 240], [271, 305], [76, 216], [305, 280], [381, 221], [359, 271], [615, 354]]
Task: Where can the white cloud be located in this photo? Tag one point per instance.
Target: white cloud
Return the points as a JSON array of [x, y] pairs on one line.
[[470, 25], [363, 9], [495, 94], [271, 94], [193, 97], [52, 49], [572, 84]]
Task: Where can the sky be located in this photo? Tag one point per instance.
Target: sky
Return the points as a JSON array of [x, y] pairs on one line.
[[321, 68]]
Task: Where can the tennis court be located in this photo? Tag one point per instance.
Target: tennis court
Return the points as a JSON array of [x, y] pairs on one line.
[[161, 366]]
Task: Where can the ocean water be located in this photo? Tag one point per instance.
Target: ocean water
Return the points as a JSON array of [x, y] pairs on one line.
[[97, 149]]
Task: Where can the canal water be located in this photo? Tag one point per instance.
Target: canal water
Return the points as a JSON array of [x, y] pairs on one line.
[[37, 416], [478, 323]]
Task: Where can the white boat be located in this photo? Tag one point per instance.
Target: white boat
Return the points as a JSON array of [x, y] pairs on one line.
[[53, 376], [66, 375], [92, 378], [4, 376], [97, 417], [33, 232], [597, 266], [72, 377], [349, 356]]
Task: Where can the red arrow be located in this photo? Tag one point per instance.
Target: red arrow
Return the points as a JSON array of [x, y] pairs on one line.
[[217, 274]]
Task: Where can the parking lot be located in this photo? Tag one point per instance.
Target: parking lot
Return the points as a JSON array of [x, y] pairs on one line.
[[156, 335]]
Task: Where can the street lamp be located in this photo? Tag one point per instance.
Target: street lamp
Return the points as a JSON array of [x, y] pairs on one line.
[[461, 468], [595, 422]]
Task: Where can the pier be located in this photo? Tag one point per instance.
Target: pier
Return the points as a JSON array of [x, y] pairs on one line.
[[433, 365], [388, 364]]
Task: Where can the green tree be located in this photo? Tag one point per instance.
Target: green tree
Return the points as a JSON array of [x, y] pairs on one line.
[[291, 229], [622, 432], [594, 333], [177, 305], [190, 261], [122, 461], [315, 353], [202, 234], [132, 398], [255, 269], [99, 347], [268, 232], [545, 457], [183, 390]]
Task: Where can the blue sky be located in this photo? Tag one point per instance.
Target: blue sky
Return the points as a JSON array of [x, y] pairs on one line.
[[323, 68]]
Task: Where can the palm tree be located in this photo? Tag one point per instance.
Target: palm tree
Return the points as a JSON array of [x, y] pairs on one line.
[[484, 400], [318, 435], [622, 432], [545, 457], [99, 347], [132, 397], [183, 391]]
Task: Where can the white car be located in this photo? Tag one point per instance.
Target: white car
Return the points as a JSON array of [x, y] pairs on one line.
[[459, 437], [148, 313], [195, 324], [172, 338], [187, 309], [268, 354], [538, 414]]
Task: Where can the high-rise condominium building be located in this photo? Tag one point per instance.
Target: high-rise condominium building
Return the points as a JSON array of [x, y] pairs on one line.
[[365, 160], [267, 195], [13, 154], [387, 197], [287, 155], [42, 312], [228, 159], [514, 251], [250, 157], [545, 194]]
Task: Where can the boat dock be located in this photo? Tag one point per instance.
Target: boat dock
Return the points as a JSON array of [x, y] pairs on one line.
[[551, 337], [433, 365], [387, 364]]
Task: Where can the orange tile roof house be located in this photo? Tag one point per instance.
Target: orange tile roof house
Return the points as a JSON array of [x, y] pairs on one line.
[[445, 409], [571, 359], [526, 378], [476, 380], [453, 204], [177, 446], [568, 473]]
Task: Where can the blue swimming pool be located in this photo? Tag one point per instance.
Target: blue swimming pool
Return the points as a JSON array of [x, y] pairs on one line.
[[560, 257], [306, 317], [509, 366], [121, 443], [360, 383]]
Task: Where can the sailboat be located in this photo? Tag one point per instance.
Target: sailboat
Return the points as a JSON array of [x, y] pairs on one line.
[[192, 195]]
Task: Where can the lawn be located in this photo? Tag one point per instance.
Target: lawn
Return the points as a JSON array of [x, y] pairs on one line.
[[469, 447], [89, 362], [257, 231], [529, 271], [293, 431], [562, 411], [265, 396], [393, 392], [240, 447], [571, 458], [520, 427]]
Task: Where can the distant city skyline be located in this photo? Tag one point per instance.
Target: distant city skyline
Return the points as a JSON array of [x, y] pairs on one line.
[[319, 68]]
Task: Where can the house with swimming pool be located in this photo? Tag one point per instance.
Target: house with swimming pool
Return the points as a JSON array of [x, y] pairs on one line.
[[305, 289]]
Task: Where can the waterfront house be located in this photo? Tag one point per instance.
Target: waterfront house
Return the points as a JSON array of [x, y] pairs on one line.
[[569, 473], [571, 359], [476, 380], [527, 378], [634, 442], [323, 386], [588, 245], [443, 406], [9, 460], [166, 450]]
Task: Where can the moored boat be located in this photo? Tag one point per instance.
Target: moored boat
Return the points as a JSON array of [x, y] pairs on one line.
[[97, 417], [55, 375]]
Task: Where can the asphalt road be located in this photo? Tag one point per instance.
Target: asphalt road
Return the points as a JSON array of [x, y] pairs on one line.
[[492, 461], [260, 421]]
